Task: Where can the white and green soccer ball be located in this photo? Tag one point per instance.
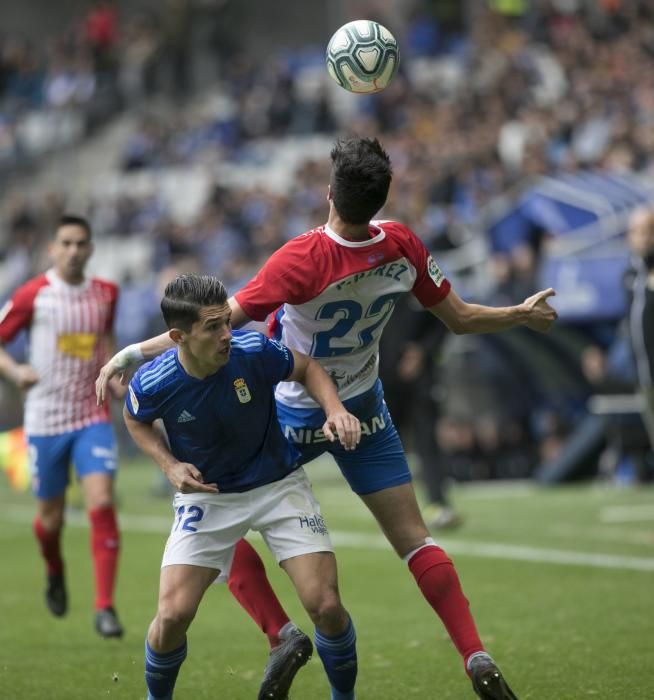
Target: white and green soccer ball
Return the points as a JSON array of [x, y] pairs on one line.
[[363, 56]]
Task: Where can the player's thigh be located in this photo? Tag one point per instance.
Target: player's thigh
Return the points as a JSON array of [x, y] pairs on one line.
[[288, 516], [49, 458], [302, 427], [315, 580], [205, 530], [94, 451], [181, 587], [397, 512], [379, 461]]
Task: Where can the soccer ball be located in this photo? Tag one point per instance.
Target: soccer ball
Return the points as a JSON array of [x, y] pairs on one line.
[[362, 56]]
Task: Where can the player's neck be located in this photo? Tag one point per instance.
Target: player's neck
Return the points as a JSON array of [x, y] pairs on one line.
[[351, 232], [73, 279], [194, 367]]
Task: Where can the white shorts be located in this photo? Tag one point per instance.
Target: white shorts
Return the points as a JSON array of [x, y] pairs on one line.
[[207, 526]]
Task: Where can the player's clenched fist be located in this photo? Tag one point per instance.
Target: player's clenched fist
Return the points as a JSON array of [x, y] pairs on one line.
[[541, 315]]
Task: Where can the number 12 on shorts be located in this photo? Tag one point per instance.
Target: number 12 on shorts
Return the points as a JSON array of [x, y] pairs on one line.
[[185, 516]]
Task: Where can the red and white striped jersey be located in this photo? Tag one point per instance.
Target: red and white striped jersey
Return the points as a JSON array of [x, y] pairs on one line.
[[332, 298], [68, 327]]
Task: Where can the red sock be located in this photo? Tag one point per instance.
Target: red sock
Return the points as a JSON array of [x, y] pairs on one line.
[[437, 578], [49, 543], [105, 545], [250, 586]]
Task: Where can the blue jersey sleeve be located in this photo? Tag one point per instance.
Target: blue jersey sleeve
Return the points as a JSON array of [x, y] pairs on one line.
[[278, 360], [139, 404]]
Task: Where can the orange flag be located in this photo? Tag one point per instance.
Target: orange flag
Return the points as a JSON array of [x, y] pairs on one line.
[[13, 458]]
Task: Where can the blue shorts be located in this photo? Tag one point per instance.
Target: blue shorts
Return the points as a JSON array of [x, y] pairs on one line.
[[91, 450], [377, 463]]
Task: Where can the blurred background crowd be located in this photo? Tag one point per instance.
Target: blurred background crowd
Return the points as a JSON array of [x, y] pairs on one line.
[[522, 139]]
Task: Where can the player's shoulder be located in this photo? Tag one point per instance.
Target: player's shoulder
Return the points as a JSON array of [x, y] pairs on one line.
[[159, 373], [403, 240], [108, 288], [247, 342], [301, 245], [29, 289], [304, 259], [394, 229]]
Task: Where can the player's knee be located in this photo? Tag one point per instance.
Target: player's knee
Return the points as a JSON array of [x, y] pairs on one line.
[[52, 521], [51, 517], [326, 610], [174, 615], [103, 500], [95, 500]]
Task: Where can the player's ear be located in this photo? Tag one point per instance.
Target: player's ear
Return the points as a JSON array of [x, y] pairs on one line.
[[176, 335], [329, 193]]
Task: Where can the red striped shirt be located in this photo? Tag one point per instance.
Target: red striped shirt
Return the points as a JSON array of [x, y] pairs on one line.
[[68, 326]]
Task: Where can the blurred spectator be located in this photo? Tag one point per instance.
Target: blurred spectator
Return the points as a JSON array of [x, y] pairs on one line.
[[100, 31], [141, 45], [640, 282], [177, 22], [23, 76], [408, 361], [607, 439]]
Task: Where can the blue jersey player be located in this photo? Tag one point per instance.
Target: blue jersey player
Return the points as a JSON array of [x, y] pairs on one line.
[[224, 451], [329, 292]]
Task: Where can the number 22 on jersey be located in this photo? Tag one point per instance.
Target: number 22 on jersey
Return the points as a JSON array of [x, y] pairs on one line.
[[349, 312]]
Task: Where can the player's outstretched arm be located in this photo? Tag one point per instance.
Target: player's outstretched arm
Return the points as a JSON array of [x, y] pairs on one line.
[[148, 349], [239, 317], [461, 317], [116, 387], [321, 388], [183, 476], [126, 358]]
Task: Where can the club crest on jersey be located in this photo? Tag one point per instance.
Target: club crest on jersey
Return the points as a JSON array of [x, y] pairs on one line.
[[242, 391], [434, 271]]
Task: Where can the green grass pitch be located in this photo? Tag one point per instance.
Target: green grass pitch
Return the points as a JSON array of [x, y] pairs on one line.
[[561, 582]]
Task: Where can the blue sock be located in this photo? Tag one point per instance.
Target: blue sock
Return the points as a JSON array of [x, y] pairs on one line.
[[339, 657], [161, 671]]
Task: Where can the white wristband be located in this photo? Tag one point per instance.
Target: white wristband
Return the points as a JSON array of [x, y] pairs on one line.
[[128, 356]]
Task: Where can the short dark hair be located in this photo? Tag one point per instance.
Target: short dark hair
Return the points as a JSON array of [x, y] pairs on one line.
[[360, 178], [74, 220], [186, 295]]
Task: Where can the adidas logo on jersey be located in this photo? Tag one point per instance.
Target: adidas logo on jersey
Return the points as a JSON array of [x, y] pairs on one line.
[[185, 417]]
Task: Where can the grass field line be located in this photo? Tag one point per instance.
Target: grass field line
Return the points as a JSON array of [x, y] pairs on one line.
[[488, 550], [627, 514], [498, 550], [620, 535]]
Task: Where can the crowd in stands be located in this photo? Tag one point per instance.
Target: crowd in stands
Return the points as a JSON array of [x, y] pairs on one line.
[[53, 93], [474, 113]]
